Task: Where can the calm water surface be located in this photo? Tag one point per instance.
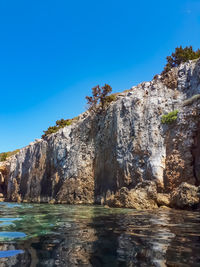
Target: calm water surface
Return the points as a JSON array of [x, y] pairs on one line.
[[67, 235]]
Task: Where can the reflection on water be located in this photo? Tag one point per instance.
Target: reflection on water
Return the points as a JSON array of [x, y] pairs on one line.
[[66, 235]]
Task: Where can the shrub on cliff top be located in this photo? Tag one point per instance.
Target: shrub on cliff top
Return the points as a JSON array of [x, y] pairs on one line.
[[110, 98], [180, 55], [170, 117], [59, 124], [5, 155]]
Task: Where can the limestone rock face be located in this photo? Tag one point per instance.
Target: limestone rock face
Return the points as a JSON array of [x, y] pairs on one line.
[[124, 146]]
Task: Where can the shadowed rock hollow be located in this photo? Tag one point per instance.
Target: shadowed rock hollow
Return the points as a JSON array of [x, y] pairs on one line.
[[91, 160]]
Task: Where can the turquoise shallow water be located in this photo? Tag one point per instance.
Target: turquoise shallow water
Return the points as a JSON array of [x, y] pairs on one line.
[[67, 235]]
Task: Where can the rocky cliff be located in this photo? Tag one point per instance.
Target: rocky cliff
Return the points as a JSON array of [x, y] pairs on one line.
[[120, 156]]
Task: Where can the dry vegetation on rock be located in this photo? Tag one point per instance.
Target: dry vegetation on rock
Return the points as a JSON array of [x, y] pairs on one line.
[[5, 155]]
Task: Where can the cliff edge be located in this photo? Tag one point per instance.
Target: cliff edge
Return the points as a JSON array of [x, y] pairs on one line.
[[127, 156]]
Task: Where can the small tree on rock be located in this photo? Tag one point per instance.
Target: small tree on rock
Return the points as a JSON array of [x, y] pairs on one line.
[[98, 99], [180, 55]]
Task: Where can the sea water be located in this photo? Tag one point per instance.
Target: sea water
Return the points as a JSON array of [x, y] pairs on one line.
[[81, 235]]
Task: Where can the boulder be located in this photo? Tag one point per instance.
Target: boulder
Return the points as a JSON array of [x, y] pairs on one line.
[[163, 199], [143, 196], [186, 196]]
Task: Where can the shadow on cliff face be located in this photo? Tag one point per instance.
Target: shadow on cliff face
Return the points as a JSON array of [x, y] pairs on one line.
[[105, 169], [3, 181], [196, 145], [196, 155], [34, 180], [112, 168], [51, 182]]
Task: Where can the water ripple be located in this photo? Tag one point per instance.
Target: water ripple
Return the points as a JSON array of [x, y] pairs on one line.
[[68, 235]]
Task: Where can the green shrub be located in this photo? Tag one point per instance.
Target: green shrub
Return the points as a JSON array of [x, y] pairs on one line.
[[59, 124], [62, 123], [5, 155], [110, 98], [180, 55], [170, 117]]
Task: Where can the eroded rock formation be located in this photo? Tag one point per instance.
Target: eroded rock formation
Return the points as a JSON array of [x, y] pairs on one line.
[[125, 145]]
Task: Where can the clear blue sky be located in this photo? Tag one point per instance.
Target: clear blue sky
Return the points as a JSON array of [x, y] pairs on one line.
[[53, 52]]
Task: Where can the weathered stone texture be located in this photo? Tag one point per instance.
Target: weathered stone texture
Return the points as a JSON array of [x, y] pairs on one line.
[[127, 144], [185, 196]]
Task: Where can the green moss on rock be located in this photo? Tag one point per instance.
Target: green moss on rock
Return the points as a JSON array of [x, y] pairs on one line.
[[170, 117]]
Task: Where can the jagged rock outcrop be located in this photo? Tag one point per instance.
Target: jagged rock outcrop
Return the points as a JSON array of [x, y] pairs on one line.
[[143, 196], [121, 147], [163, 200], [185, 196]]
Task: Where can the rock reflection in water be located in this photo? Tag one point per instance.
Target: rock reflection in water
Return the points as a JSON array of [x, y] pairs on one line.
[[63, 235]]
